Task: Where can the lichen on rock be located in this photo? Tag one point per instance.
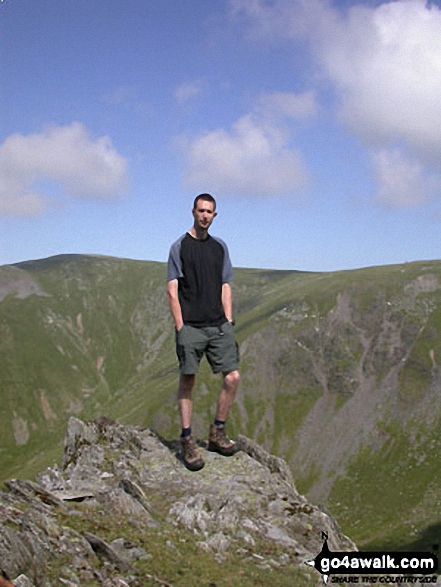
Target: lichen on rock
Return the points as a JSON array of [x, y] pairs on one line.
[[131, 478]]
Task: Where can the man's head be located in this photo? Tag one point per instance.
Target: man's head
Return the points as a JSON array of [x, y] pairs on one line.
[[204, 211], [205, 198]]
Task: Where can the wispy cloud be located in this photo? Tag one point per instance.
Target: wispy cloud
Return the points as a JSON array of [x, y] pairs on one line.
[[83, 167], [290, 105], [187, 91], [255, 156]]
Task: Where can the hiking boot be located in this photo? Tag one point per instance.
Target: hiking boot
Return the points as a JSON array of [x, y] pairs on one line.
[[191, 455], [219, 442]]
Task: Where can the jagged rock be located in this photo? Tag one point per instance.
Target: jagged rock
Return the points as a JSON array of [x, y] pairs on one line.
[[132, 477], [271, 462], [28, 490], [117, 502], [23, 581], [106, 551]]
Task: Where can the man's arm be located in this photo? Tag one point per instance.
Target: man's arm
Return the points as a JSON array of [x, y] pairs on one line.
[[173, 302], [227, 301]]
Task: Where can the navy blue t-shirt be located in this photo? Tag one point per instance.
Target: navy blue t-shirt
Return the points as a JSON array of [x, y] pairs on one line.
[[201, 268]]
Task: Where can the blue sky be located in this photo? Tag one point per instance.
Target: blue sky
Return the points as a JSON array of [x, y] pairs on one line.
[[316, 124]]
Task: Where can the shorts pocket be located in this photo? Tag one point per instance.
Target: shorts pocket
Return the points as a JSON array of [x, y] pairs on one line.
[[178, 333]]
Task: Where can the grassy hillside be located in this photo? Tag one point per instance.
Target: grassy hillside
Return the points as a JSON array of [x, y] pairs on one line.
[[340, 376]]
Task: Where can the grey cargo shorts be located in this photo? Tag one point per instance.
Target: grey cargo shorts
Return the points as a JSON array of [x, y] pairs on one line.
[[218, 343]]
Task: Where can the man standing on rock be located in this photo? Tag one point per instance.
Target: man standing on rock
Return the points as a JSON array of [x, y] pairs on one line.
[[200, 300]]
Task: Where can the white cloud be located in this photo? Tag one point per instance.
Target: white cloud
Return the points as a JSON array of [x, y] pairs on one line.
[[66, 155], [254, 157], [186, 91], [297, 106], [270, 20], [384, 63], [402, 182]]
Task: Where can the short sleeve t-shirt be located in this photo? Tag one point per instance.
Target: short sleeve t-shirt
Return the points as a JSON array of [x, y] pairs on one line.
[[201, 268]]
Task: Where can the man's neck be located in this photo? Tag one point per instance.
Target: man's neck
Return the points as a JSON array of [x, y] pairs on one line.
[[198, 233]]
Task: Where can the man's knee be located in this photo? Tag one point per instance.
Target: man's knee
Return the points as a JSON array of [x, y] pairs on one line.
[[231, 380]]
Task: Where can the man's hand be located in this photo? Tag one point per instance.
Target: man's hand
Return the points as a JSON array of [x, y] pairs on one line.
[[174, 305], [227, 302]]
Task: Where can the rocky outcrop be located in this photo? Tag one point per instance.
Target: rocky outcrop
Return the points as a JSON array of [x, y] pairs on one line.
[[120, 490]]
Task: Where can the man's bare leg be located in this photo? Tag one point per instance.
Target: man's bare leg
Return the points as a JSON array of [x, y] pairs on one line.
[[218, 441], [227, 395], [185, 402]]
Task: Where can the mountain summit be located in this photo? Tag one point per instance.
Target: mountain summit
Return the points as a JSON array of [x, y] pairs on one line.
[[122, 510]]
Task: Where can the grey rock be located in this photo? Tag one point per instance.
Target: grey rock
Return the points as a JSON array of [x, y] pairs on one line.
[[79, 495], [106, 551], [117, 502], [272, 463], [15, 555], [128, 550], [27, 491], [23, 581], [134, 479]]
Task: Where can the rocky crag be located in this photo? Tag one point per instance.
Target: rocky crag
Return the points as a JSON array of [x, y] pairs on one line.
[[121, 510]]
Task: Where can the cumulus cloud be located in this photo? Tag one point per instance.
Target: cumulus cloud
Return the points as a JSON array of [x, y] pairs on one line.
[[82, 166], [402, 182], [384, 63], [249, 160], [255, 156]]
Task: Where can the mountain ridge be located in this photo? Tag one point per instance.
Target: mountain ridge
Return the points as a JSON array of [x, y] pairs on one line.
[[121, 509], [340, 375]]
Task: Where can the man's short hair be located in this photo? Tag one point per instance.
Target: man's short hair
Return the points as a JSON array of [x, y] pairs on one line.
[[206, 198]]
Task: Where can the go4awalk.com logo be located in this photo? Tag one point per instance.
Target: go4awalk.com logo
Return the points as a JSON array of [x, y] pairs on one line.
[[375, 567]]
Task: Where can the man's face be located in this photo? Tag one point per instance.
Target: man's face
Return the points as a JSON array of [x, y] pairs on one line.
[[204, 214]]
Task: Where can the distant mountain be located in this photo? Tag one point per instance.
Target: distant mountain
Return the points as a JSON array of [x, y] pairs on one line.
[[340, 377]]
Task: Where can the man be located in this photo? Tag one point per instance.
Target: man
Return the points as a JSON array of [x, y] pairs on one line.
[[200, 300]]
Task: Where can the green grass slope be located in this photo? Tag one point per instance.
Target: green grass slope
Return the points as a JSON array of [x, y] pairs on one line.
[[340, 376]]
